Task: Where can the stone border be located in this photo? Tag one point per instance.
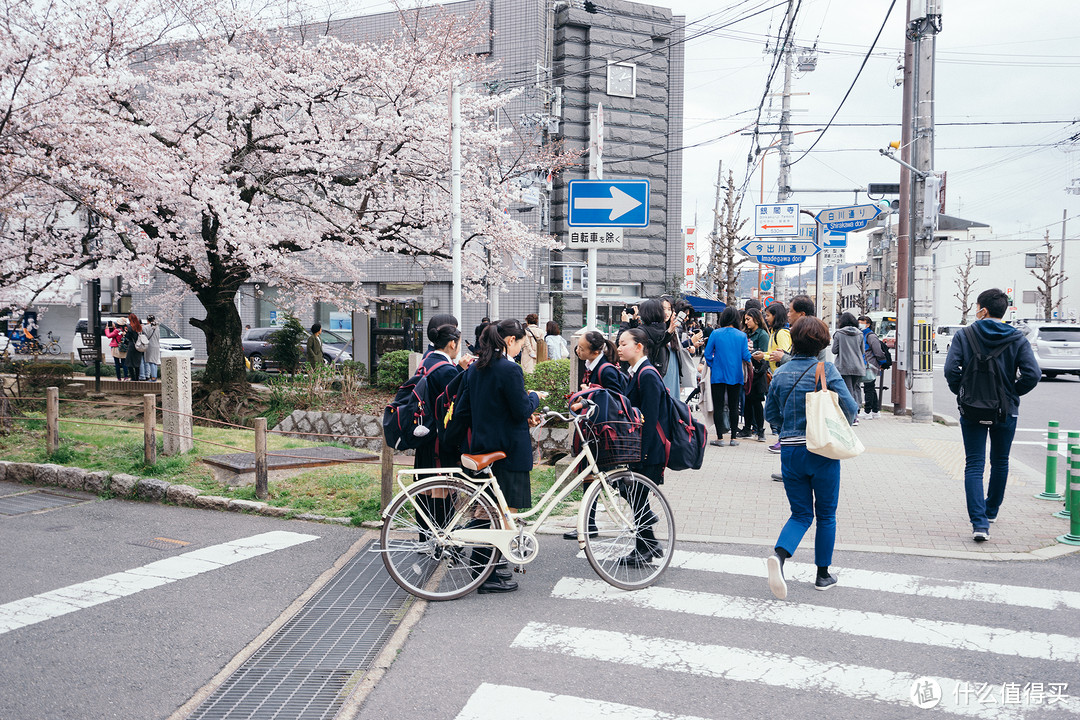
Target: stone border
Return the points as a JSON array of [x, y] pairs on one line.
[[132, 487]]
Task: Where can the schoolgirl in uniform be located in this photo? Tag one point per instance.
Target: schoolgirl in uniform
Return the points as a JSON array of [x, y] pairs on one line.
[[599, 355], [441, 365], [645, 390], [501, 414]]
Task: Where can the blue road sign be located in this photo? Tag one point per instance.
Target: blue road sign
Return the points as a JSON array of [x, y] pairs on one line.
[[834, 240], [779, 251], [609, 203], [847, 219]]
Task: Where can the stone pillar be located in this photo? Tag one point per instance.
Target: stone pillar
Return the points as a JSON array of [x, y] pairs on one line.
[[176, 404]]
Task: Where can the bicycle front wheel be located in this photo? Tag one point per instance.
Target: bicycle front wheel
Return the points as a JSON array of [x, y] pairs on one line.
[[425, 564], [54, 349], [635, 530]]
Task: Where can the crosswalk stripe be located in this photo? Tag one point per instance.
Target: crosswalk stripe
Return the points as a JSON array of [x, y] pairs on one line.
[[768, 668], [54, 603], [889, 582], [505, 702], [883, 626]]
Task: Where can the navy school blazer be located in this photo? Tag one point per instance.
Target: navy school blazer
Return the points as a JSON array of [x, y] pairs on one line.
[[646, 393], [500, 409], [609, 377]]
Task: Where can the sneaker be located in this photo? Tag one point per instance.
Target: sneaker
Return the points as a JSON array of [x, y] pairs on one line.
[[980, 536], [875, 414], [777, 477], [717, 443], [733, 442], [992, 519], [775, 448], [775, 564], [856, 422], [761, 437], [824, 583]]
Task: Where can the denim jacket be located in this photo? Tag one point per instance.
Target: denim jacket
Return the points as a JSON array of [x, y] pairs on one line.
[[785, 407]]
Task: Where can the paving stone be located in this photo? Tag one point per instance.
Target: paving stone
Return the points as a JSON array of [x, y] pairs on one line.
[[72, 478], [182, 494], [123, 485], [47, 474], [212, 502], [96, 482], [152, 489], [246, 506]]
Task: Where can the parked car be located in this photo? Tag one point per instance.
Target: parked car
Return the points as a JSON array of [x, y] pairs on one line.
[[889, 339], [1056, 346], [257, 346], [944, 337], [172, 345]]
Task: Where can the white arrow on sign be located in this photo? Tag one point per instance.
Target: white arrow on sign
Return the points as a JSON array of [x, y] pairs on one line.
[[619, 203]]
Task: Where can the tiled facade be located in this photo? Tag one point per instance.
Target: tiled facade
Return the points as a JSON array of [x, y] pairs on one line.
[[572, 48]]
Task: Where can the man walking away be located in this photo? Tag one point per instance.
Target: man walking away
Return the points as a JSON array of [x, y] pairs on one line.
[[989, 366]]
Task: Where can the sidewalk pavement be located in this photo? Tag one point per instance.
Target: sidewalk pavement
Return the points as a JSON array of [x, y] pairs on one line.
[[905, 494]]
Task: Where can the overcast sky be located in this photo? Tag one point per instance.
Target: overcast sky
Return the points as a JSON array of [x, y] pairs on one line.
[[997, 62]]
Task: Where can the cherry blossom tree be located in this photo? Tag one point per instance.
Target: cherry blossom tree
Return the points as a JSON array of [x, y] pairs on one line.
[[217, 148]]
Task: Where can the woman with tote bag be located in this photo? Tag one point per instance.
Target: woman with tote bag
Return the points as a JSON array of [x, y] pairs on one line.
[[811, 481]]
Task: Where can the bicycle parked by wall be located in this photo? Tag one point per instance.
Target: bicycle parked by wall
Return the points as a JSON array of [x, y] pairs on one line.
[[442, 562], [22, 345]]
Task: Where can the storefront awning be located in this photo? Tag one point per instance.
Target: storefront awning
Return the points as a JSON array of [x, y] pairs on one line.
[[705, 305]]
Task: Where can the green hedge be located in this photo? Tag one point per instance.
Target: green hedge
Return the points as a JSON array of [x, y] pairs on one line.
[[392, 370], [554, 377]]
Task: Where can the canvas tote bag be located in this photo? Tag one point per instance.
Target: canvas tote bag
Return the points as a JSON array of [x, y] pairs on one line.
[[827, 430]]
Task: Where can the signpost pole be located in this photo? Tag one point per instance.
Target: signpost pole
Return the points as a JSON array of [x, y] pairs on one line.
[[596, 172], [819, 271], [455, 200]]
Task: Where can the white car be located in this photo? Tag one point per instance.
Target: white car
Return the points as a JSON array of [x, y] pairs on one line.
[[944, 337], [172, 345], [1056, 346]]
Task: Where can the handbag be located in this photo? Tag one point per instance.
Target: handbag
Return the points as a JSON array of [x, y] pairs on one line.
[[869, 375], [828, 432]]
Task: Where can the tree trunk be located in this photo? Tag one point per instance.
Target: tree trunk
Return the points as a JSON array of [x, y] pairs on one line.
[[223, 330]]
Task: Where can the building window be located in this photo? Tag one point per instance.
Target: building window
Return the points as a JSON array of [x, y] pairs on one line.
[[1030, 297], [1034, 260], [982, 257]]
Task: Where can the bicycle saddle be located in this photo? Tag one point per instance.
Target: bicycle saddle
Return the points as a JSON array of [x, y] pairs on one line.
[[481, 461]]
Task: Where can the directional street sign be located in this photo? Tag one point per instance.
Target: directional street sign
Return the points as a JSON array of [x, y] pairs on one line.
[[779, 252], [597, 237], [846, 219], [609, 203], [834, 240], [780, 220]]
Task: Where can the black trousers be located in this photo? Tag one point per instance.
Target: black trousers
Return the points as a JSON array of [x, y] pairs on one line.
[[755, 414], [731, 393], [870, 397]]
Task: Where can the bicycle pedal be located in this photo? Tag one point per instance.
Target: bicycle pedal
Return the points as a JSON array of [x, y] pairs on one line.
[[519, 569]]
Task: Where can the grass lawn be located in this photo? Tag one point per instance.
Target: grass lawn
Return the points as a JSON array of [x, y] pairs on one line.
[[351, 490]]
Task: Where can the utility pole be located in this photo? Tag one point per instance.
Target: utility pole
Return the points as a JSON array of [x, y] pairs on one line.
[[596, 172], [922, 30], [903, 231], [455, 200], [1061, 287], [784, 179]]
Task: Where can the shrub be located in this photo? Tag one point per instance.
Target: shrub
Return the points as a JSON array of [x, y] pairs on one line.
[[355, 368], [393, 369], [43, 374], [286, 345], [554, 377]]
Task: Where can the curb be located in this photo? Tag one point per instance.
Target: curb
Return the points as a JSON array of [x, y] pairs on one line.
[[131, 487], [942, 418]]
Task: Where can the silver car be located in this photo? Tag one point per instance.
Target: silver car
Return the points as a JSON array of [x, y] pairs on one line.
[[1056, 346]]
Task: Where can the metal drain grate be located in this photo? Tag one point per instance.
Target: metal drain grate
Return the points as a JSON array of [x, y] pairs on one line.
[[303, 671], [34, 501], [161, 543]]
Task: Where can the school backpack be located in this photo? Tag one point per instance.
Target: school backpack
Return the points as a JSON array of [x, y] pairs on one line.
[[887, 362], [685, 437], [614, 427], [981, 397], [410, 416], [453, 412]]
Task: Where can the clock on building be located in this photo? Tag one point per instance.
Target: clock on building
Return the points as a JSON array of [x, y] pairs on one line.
[[622, 79]]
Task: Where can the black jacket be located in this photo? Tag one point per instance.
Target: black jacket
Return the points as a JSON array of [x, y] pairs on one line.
[[500, 409], [1016, 364], [430, 454], [609, 377], [656, 348], [646, 392]]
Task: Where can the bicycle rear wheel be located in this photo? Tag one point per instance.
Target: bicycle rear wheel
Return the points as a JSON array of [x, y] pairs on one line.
[[54, 348], [417, 559], [635, 533]]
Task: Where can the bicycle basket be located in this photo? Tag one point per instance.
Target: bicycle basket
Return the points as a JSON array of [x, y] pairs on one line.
[[614, 443]]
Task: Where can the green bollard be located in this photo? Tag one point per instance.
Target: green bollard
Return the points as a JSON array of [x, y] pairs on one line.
[[1070, 476], [1050, 491], [1073, 536]]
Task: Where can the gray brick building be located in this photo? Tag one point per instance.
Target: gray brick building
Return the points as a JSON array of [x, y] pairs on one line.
[[627, 56]]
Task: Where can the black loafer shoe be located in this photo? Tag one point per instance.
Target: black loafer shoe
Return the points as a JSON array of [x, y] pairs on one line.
[[572, 534], [496, 584], [636, 560]]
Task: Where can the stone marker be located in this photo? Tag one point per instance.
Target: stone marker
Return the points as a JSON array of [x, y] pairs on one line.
[[176, 404]]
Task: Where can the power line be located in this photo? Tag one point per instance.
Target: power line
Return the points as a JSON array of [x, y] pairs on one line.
[[852, 86]]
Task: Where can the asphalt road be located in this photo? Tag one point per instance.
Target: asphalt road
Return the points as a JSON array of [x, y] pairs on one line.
[[143, 655], [714, 643], [1056, 399]]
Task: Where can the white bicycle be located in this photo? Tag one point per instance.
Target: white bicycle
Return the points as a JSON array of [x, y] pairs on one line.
[[445, 555]]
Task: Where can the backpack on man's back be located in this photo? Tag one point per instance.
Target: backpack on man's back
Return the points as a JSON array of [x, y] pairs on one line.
[[981, 396]]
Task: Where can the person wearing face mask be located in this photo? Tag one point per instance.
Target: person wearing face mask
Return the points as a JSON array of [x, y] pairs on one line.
[[502, 412], [874, 354]]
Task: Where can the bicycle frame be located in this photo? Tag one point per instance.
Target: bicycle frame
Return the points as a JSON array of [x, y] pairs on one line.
[[511, 529]]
